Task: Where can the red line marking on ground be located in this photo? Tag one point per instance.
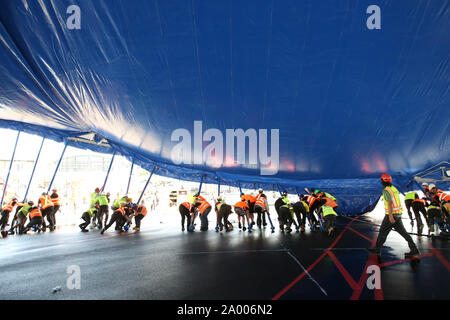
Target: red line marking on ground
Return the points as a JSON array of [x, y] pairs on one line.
[[441, 258], [361, 235], [390, 263], [290, 285], [343, 271]]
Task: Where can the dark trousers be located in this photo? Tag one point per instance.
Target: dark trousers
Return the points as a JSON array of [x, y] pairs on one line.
[[102, 212], [204, 219], [329, 221], [36, 220], [419, 208], [21, 219], [314, 209], [47, 212], [87, 220], [222, 217], [435, 214], [137, 220], [300, 213], [285, 218], [387, 226], [55, 210], [261, 219], [4, 219], [118, 218], [408, 205], [185, 216]]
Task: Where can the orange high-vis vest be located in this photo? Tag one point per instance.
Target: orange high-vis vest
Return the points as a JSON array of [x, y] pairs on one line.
[[55, 201], [45, 202], [143, 211], [203, 205], [330, 202], [310, 200], [9, 207], [443, 197], [260, 201], [241, 204], [187, 205], [248, 197], [420, 200], [35, 213], [121, 210]]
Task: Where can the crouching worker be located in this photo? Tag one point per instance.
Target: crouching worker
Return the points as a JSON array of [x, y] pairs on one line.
[[223, 210], [119, 217], [329, 219], [140, 211], [87, 216], [21, 218], [301, 210], [36, 219], [186, 209], [242, 210], [286, 217], [204, 208]]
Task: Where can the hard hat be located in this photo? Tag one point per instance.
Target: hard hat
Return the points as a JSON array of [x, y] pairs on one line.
[[219, 199], [431, 186], [284, 194], [54, 190], [424, 184], [97, 190], [260, 190], [386, 177], [31, 203], [242, 194], [316, 191]]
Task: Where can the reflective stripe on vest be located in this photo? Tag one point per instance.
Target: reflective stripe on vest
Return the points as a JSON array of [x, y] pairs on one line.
[[187, 205], [443, 197], [420, 200], [260, 202], [45, 202], [330, 202], [203, 204], [396, 205], [35, 213], [121, 210], [8, 207], [143, 210], [328, 210], [310, 200], [55, 201]]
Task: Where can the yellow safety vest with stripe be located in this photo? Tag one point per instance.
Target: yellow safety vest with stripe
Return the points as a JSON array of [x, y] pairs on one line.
[[396, 204], [326, 210], [305, 205], [410, 195]]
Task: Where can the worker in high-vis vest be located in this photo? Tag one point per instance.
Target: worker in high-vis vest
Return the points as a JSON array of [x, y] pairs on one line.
[[419, 206], [444, 200], [6, 211], [241, 208], [314, 204], [436, 210], [250, 200], [119, 203], [285, 220], [261, 208], [87, 217], [204, 208], [46, 206], [36, 219], [409, 198], [301, 210], [328, 215], [94, 196], [19, 205], [186, 209], [223, 211], [393, 218], [54, 197], [103, 211], [140, 211], [119, 217], [21, 217]]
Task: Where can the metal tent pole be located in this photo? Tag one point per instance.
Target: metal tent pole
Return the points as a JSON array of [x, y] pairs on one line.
[[201, 183], [109, 170], [129, 179], [146, 184], [34, 168], [57, 167], [9, 170]]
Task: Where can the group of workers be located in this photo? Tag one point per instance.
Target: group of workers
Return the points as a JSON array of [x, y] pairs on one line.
[[434, 207], [318, 207], [123, 212], [35, 213]]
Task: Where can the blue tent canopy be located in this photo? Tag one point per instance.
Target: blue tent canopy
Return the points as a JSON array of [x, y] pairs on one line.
[[349, 102]]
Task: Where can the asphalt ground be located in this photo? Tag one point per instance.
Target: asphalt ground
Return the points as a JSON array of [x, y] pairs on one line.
[[162, 262]]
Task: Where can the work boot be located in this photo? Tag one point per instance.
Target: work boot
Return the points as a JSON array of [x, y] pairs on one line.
[[137, 229], [412, 253], [302, 228], [240, 226], [103, 231], [84, 230], [420, 229], [244, 228], [374, 251], [11, 232], [330, 231]]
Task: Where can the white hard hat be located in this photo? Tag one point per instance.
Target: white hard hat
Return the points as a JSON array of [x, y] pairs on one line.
[[260, 190], [431, 186], [424, 184]]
